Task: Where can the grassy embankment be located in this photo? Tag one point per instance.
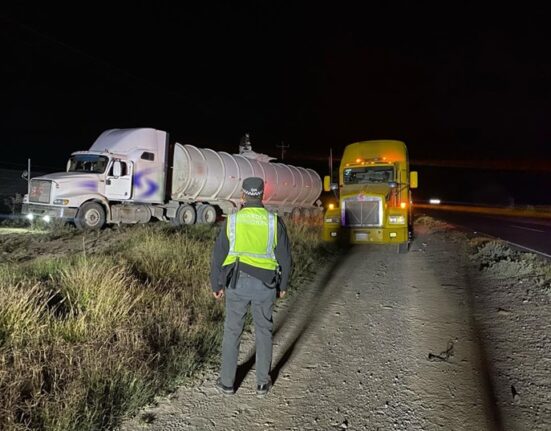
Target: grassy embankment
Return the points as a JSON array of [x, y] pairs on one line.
[[87, 338]]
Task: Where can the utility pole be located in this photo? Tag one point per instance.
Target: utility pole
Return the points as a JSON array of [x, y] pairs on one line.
[[283, 148], [331, 163], [26, 175]]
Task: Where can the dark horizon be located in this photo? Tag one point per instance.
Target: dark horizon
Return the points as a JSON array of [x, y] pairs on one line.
[[466, 89]]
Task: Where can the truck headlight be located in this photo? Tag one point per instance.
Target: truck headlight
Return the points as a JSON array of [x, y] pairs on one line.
[[61, 202], [396, 219], [335, 219]]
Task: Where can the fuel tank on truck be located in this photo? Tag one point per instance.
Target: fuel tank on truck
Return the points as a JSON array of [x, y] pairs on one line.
[[202, 174]]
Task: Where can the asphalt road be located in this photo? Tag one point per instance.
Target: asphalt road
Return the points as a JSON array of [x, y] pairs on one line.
[[530, 234]]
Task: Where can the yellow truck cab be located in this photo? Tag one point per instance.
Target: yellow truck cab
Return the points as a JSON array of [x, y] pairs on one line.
[[374, 196]]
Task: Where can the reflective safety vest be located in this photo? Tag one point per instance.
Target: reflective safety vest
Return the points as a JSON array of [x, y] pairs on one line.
[[252, 233]]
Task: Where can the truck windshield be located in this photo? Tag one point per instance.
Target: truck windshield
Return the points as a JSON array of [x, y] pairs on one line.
[[368, 175], [91, 163]]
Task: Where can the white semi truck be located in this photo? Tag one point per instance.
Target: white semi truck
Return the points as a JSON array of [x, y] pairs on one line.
[[137, 175]]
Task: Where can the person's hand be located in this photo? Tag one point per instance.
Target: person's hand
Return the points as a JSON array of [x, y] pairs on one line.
[[281, 293], [219, 294]]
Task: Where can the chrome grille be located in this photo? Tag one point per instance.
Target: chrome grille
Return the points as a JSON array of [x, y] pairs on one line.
[[364, 212], [40, 191]]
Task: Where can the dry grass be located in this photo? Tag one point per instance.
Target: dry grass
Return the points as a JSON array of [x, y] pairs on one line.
[[495, 257], [506, 263], [88, 338]]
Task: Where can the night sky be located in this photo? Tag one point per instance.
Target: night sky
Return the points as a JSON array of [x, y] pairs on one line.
[[466, 87]]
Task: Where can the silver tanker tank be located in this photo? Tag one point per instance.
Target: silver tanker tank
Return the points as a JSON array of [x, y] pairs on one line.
[[215, 177]]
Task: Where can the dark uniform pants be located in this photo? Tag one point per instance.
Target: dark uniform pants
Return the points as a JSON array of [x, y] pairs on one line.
[[249, 290]]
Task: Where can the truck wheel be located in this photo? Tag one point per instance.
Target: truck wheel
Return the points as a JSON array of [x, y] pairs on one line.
[[320, 217], [206, 214], [90, 216], [303, 216], [185, 215], [403, 247], [296, 215]]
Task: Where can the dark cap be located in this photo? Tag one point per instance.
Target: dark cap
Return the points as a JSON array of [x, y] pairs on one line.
[[253, 187]]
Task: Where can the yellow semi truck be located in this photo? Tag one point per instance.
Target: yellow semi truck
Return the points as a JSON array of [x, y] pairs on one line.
[[374, 196]]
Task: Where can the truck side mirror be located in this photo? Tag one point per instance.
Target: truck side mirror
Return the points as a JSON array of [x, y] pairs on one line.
[[25, 175], [413, 180], [327, 183], [117, 169]]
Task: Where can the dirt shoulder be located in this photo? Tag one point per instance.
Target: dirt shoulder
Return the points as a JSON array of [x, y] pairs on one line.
[[379, 340]]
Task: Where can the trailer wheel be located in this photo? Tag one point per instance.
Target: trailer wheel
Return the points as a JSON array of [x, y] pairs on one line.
[[303, 216], [90, 216], [185, 215], [206, 214], [296, 215]]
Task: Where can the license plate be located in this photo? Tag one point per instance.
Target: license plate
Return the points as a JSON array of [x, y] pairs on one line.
[[362, 236]]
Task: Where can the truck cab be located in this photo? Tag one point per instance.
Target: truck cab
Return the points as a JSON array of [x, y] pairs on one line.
[[106, 184], [374, 195]]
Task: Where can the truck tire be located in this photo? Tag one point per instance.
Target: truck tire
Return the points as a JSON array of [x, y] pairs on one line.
[[403, 247], [206, 214], [184, 215], [296, 215], [304, 215], [90, 216]]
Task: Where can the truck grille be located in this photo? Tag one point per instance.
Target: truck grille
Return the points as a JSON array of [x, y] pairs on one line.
[[365, 212], [40, 191]]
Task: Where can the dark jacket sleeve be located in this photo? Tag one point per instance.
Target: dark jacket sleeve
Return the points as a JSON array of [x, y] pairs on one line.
[[283, 254], [219, 253]]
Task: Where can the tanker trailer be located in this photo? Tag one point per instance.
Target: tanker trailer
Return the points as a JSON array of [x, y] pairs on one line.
[[208, 182]]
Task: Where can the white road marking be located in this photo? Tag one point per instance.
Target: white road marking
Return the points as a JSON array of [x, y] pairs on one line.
[[527, 228], [529, 249]]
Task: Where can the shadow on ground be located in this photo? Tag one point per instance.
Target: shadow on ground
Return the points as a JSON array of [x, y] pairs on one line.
[[314, 307]]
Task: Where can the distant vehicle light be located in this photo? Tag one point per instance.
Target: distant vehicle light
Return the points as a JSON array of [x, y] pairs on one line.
[[358, 160], [30, 216], [47, 218], [434, 201], [403, 205], [331, 206]]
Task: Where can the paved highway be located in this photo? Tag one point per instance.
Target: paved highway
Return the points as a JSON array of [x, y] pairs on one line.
[[532, 234]]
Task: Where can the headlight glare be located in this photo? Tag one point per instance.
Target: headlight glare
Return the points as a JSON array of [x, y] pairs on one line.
[[396, 219]]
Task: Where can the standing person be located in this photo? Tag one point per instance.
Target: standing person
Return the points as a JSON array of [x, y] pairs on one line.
[[251, 262]]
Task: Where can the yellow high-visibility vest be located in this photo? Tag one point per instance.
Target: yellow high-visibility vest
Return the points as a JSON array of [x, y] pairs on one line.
[[252, 234]]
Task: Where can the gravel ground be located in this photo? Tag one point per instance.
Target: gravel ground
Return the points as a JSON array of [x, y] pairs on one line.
[[382, 341]]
